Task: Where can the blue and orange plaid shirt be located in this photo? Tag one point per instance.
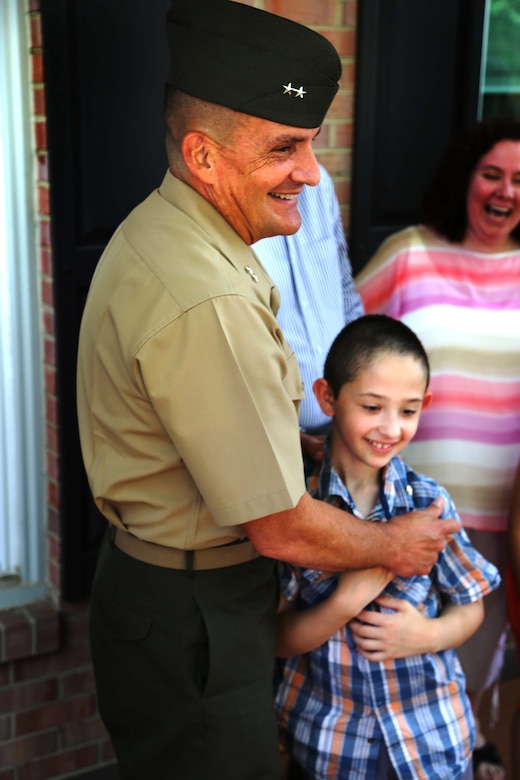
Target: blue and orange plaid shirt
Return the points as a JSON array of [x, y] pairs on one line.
[[335, 707]]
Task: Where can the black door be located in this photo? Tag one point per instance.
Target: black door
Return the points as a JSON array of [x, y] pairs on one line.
[[105, 65], [417, 84]]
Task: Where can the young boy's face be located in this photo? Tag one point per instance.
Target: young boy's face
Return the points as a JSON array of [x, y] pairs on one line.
[[377, 414]]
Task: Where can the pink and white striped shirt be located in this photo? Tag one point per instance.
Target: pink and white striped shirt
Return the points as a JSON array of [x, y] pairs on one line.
[[465, 308]]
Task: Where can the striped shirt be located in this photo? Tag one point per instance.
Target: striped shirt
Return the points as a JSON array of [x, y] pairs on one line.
[[465, 308], [312, 271], [335, 707]]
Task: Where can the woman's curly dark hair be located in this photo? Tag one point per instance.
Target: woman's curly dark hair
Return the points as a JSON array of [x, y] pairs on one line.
[[444, 204]]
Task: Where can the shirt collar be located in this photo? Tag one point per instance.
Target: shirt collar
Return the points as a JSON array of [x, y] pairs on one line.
[[324, 483]]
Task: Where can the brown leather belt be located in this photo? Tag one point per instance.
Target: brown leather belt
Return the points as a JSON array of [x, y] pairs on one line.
[[173, 558]]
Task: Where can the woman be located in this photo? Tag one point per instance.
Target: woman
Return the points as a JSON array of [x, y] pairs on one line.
[[455, 280]]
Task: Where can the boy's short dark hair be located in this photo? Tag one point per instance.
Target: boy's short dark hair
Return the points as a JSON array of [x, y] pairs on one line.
[[362, 340]]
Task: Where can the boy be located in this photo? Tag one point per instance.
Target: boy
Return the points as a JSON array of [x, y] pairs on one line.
[[347, 707]]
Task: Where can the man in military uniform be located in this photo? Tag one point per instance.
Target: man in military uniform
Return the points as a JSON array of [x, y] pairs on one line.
[[188, 401]]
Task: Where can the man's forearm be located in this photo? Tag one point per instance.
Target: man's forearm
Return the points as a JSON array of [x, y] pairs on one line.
[[319, 536]]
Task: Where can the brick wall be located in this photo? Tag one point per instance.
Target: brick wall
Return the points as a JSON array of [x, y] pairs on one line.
[[46, 290], [49, 727]]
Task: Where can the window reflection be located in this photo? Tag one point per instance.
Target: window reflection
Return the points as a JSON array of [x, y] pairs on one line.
[[500, 93]]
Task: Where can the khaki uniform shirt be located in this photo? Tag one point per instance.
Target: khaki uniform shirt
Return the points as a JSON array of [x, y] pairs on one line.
[[188, 392]]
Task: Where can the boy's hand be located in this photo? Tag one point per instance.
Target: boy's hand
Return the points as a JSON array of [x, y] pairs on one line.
[[399, 634], [417, 538]]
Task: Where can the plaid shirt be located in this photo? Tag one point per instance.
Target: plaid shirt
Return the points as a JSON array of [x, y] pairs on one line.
[[335, 707]]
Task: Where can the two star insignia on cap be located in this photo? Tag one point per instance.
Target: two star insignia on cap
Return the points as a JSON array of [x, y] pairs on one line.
[[288, 89]]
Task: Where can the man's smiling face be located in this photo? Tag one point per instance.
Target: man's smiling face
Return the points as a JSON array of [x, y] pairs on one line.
[[260, 175]]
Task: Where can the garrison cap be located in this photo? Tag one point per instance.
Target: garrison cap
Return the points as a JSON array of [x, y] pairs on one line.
[[251, 61]]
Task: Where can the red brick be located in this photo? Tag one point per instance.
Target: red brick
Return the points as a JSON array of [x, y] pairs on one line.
[[342, 107], [40, 134], [48, 327], [51, 433], [51, 409], [36, 31], [52, 466], [45, 233], [337, 162], [50, 381], [50, 358], [54, 574], [343, 192], [78, 682], [60, 764], [54, 714], [315, 13], [350, 13], [46, 626], [343, 134], [344, 41], [57, 663], [348, 75], [47, 292], [43, 167], [20, 697], [54, 547], [39, 100], [43, 200], [53, 495], [323, 139], [6, 728], [15, 632], [36, 668], [37, 68], [19, 751], [53, 521], [46, 261]]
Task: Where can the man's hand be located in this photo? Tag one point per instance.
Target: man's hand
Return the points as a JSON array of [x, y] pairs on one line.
[[417, 538], [316, 535]]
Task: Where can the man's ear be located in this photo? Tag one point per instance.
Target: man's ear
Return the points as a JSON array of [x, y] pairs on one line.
[[324, 396], [196, 151], [427, 399]]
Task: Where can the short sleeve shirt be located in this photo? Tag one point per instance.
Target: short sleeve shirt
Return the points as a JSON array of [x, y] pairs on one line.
[[188, 392]]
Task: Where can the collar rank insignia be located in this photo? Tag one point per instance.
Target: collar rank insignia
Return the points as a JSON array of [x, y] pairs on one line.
[[251, 273]]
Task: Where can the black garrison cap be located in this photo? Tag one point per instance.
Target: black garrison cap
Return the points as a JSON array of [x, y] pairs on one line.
[[251, 61]]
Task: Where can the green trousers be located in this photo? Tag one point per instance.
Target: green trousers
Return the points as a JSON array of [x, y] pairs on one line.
[[184, 664]]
